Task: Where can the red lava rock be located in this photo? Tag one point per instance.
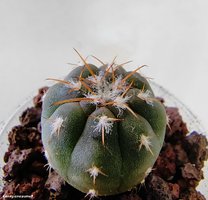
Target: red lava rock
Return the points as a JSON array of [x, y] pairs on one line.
[[39, 167], [9, 189], [37, 100], [176, 128], [191, 173], [24, 188], [7, 155], [37, 181], [24, 138], [158, 188], [34, 137], [39, 194], [175, 190], [17, 161], [183, 184], [30, 117], [165, 164], [181, 155], [18, 137], [196, 147], [54, 182], [192, 194]]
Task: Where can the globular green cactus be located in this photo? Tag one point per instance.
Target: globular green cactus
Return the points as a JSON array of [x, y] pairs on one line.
[[102, 128]]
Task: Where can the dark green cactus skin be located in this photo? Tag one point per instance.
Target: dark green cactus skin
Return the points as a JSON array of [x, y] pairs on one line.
[[76, 147]]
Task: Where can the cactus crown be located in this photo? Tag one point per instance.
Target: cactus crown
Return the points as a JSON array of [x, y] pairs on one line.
[[103, 90]]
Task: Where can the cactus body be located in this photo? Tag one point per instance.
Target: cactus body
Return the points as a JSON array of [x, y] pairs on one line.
[[102, 129]]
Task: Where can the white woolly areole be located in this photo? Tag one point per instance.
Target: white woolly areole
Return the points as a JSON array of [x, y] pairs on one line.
[[75, 84], [145, 141], [91, 193], [146, 96], [94, 172], [96, 78], [56, 125], [103, 90], [109, 91], [104, 122], [118, 84], [120, 103], [96, 98]]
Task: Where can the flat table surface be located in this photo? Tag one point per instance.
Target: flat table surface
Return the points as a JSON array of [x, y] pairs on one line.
[[171, 37]]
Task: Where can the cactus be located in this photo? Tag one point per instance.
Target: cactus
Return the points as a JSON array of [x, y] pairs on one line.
[[102, 128]]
